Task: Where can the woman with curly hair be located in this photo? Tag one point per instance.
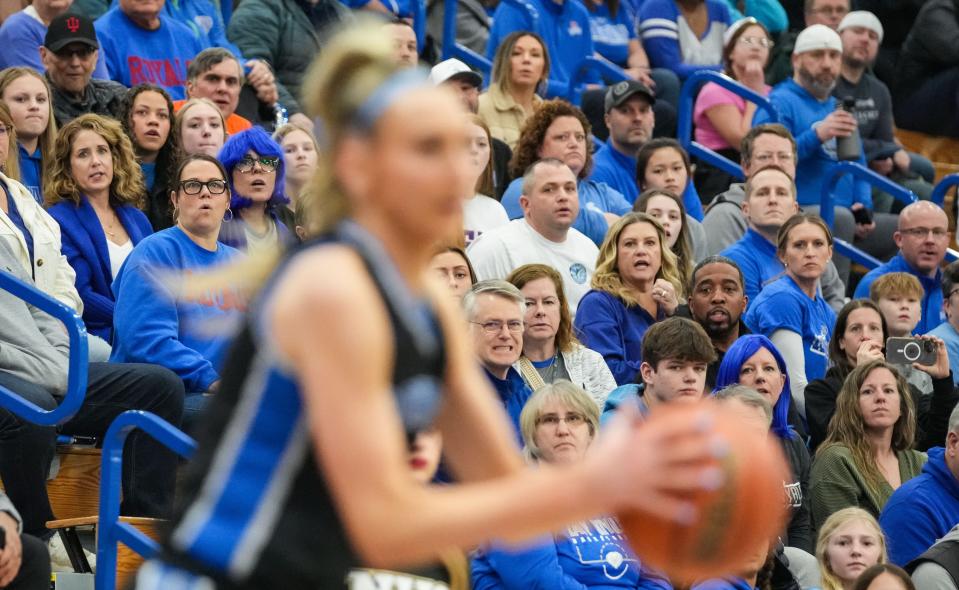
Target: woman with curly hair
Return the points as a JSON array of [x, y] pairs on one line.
[[148, 120], [868, 453], [520, 67], [27, 95], [559, 130], [95, 192], [636, 283]]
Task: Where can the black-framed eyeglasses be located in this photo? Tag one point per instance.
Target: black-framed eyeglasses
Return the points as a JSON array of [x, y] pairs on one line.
[[267, 163], [194, 187]]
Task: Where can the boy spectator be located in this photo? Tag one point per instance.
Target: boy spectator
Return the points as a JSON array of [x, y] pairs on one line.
[[676, 354], [69, 53], [949, 329], [142, 45], [922, 238], [899, 297], [544, 235], [927, 506]]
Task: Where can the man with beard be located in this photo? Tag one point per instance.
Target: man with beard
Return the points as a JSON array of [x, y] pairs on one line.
[[630, 120], [717, 302], [861, 33], [808, 110]]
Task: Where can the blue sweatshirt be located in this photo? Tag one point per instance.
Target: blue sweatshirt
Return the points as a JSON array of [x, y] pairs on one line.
[[800, 111], [611, 34], [590, 555], [31, 171], [21, 36], [922, 510], [563, 26], [513, 392], [756, 257], [670, 46], [205, 20], [782, 305], [152, 324], [624, 394], [594, 199], [932, 314], [605, 324], [135, 55], [618, 170]]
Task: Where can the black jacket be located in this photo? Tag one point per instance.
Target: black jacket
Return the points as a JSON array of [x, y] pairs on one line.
[[799, 533]]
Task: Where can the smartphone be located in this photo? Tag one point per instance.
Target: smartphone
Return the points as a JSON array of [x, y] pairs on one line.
[[862, 216], [905, 351]]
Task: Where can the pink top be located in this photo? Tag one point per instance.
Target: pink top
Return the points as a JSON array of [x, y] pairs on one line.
[[712, 95]]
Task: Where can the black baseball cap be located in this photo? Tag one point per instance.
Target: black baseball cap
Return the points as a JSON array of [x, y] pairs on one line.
[[70, 28], [620, 92]]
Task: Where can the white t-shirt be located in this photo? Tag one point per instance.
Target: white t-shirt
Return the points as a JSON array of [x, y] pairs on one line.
[[481, 214], [118, 253], [498, 252]]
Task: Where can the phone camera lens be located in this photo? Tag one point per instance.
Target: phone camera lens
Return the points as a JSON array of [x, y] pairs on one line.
[[911, 351]]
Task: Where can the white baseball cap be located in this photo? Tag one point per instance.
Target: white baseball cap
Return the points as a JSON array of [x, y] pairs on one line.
[[453, 68], [817, 37], [864, 19]]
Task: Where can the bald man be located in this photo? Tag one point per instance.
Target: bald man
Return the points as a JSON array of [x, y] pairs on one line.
[[922, 238]]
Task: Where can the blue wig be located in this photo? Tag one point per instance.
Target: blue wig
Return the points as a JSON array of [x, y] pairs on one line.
[[256, 140], [736, 356]]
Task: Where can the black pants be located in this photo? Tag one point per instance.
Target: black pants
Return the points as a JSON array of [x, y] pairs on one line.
[[34, 571], [149, 470]]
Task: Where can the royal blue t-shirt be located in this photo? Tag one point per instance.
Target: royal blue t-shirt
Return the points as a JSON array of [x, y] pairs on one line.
[[611, 34], [31, 171], [756, 257], [782, 305]]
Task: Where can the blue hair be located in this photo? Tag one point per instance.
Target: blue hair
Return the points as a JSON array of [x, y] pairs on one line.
[[740, 352], [237, 146]]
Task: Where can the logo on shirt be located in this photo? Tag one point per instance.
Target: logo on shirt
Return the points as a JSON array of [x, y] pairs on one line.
[[820, 343], [577, 272], [793, 494], [600, 542], [574, 29]]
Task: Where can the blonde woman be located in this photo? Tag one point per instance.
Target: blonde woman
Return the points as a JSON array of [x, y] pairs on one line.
[[550, 350], [27, 95], [300, 151], [850, 542], [520, 67], [868, 453], [201, 126], [360, 361], [636, 283], [95, 192]]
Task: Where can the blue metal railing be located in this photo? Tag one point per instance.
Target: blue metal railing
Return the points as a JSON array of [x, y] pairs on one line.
[[938, 195], [604, 67], [684, 127], [78, 359], [111, 530]]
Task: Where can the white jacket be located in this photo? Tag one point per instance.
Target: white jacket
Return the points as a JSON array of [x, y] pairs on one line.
[[587, 369], [50, 269]]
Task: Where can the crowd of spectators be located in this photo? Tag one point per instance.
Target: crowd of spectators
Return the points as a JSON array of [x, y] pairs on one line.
[[144, 143]]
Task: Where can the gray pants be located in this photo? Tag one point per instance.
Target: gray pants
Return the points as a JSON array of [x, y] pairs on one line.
[[878, 243]]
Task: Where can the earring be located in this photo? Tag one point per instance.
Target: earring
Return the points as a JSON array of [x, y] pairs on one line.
[[175, 214], [228, 216]]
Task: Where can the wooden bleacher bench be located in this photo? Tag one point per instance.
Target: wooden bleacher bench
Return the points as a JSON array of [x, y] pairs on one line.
[[944, 154], [75, 490]]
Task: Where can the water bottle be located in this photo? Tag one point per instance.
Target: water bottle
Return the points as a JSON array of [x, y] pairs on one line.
[[849, 147], [280, 117]]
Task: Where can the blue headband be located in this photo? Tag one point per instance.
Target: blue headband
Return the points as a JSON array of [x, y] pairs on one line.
[[386, 94]]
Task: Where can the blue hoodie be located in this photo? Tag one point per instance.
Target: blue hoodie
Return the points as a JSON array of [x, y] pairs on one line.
[[592, 554], [800, 112], [922, 510]]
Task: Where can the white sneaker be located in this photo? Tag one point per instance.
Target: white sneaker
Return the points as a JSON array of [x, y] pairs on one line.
[[60, 559]]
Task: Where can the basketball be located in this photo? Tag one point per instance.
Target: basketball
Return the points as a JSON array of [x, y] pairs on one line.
[[731, 521]]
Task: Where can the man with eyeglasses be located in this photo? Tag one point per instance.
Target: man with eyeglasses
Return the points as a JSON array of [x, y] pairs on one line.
[[922, 238], [544, 235], [70, 54], [495, 310], [815, 12]]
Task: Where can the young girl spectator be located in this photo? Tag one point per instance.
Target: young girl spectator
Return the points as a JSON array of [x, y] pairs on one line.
[[481, 212], [684, 35], [884, 576], [791, 311], [300, 152], [27, 95], [148, 119], [452, 265], [636, 283], [520, 67], [754, 361], [550, 350], [662, 163], [868, 452], [850, 542], [258, 216], [201, 127], [859, 336], [666, 208], [722, 118], [95, 192]]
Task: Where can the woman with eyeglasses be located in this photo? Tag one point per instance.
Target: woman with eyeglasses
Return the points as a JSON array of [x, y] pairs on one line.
[[95, 192], [157, 322], [258, 218], [722, 118]]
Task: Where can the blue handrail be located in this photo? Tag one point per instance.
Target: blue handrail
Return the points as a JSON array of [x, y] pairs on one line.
[[112, 531], [856, 170], [453, 49], [77, 364], [684, 131], [938, 195], [589, 64]]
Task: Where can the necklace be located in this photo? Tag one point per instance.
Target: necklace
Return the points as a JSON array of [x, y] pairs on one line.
[[109, 229]]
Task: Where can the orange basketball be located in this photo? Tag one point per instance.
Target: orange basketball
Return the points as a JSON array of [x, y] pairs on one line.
[[731, 521]]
